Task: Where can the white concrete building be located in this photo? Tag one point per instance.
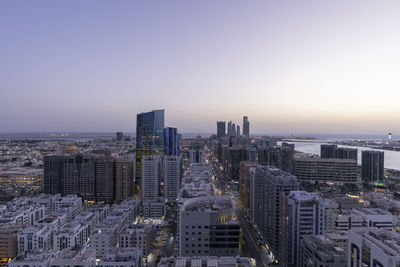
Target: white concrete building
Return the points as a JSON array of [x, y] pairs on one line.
[[71, 235], [27, 214], [205, 262], [70, 205], [81, 256], [320, 250], [35, 238], [34, 259], [196, 182], [373, 247], [302, 214], [122, 258], [346, 219], [104, 238]]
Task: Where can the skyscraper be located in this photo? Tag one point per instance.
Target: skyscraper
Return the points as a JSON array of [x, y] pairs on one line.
[[149, 137], [372, 166], [150, 177], [229, 131], [269, 183], [172, 177], [124, 168], [53, 174], [221, 131], [333, 151], [238, 130], [346, 153], [79, 176], [105, 169], [328, 151], [171, 141], [287, 157], [246, 126], [119, 136]]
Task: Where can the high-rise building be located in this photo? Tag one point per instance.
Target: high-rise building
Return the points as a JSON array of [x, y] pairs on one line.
[[79, 176], [246, 126], [238, 130], [197, 153], [124, 179], [233, 131], [302, 214], [53, 174], [236, 155], [372, 166], [120, 136], [149, 138], [275, 156], [262, 155], [150, 177], [208, 227], [269, 183], [229, 129], [244, 182], [328, 151], [171, 141], [221, 131], [346, 153], [287, 157], [105, 173], [172, 168], [326, 169]]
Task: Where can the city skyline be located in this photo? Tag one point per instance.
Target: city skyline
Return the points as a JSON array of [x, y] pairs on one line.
[[307, 67]]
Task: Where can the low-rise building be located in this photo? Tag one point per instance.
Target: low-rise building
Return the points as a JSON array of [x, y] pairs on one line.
[[373, 247], [76, 257], [9, 241], [139, 236], [35, 238], [154, 208], [122, 258], [104, 238], [205, 262], [321, 250], [71, 235]]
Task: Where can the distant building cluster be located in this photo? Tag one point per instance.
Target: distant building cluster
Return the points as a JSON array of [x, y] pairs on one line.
[[229, 200]]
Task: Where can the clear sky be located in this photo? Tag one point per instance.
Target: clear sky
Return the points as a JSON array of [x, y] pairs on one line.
[[290, 66]]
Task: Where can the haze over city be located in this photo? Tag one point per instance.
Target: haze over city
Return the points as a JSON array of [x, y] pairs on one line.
[[291, 66]]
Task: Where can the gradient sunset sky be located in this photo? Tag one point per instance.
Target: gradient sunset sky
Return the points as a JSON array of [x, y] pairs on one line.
[[290, 66]]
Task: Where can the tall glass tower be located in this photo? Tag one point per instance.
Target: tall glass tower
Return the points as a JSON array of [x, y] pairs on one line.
[[149, 138], [171, 141]]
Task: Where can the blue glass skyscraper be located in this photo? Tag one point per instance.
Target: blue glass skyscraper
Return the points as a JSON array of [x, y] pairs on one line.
[[149, 137], [171, 141]]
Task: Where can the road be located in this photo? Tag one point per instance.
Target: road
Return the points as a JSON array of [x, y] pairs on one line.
[[165, 248]]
